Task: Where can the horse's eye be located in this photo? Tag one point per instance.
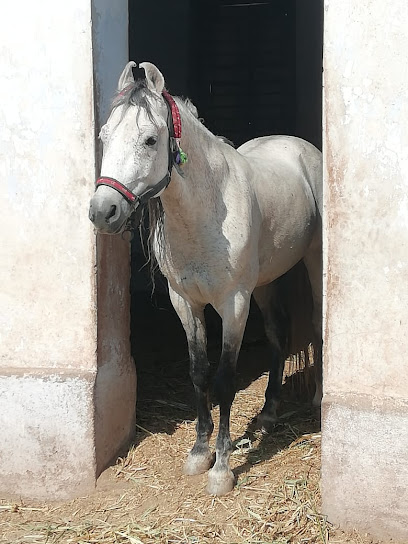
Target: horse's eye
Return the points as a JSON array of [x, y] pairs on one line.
[[151, 141]]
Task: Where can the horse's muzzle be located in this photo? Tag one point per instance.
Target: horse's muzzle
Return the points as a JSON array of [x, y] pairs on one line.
[[108, 211]]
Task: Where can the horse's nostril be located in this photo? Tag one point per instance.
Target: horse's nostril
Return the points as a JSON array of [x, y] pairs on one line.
[[111, 213]]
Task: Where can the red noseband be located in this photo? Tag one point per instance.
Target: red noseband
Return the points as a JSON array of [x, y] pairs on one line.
[[115, 184]]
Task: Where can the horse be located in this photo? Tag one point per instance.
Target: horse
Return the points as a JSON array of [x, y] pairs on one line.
[[225, 224]]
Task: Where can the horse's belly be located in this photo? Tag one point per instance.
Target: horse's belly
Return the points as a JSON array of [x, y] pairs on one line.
[[279, 251], [273, 266]]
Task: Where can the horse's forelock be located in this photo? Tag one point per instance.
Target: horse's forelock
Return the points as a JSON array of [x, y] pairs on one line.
[[135, 94]]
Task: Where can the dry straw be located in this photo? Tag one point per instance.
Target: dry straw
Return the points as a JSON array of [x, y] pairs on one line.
[[145, 499]]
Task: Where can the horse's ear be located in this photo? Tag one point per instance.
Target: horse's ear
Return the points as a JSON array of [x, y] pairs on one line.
[[126, 77], [154, 78]]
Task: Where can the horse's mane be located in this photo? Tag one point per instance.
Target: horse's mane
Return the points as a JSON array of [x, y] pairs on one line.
[[155, 240], [135, 94]]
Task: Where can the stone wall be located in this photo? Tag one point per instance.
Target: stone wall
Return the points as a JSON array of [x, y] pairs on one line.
[[365, 406]]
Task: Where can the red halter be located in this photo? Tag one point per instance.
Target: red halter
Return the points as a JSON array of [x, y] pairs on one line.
[[175, 114], [174, 126]]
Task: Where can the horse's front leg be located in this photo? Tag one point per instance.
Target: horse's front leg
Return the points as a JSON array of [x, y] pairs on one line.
[[234, 314], [192, 318]]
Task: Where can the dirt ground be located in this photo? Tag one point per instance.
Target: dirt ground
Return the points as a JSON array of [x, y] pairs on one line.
[[144, 496]]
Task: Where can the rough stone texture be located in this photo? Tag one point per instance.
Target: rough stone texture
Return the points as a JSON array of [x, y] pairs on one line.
[[46, 423], [365, 464], [67, 382], [364, 480]]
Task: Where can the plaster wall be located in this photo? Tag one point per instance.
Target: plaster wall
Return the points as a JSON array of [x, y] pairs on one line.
[[47, 163], [365, 405], [67, 395]]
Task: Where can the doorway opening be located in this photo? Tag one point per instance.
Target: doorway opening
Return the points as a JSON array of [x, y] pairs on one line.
[[252, 68]]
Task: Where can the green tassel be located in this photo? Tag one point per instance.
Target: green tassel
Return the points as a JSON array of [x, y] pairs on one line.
[[183, 157]]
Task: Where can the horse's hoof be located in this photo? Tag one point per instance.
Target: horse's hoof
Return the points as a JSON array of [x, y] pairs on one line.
[[220, 482], [266, 422], [198, 463]]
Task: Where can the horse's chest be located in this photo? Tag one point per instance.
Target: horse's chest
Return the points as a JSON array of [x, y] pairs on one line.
[[195, 280], [199, 272]]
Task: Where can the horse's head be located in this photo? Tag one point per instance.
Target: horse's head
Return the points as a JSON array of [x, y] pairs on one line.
[[137, 159]]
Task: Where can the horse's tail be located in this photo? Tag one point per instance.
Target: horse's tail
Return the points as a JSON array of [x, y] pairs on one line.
[[295, 294]]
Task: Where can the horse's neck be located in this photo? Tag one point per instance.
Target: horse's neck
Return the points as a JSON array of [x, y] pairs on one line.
[[191, 197]]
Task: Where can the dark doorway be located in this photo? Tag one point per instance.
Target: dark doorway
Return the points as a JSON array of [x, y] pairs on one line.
[[252, 68], [244, 75]]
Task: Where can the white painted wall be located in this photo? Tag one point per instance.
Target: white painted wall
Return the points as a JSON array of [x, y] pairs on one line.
[[366, 84], [66, 398], [47, 165], [365, 451]]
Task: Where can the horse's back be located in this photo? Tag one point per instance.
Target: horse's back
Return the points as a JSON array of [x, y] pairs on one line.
[[290, 153]]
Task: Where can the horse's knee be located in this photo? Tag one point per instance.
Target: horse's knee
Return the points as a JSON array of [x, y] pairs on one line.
[[199, 374]]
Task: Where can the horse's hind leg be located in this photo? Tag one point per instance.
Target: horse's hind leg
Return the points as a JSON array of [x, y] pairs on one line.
[[234, 314], [313, 262], [192, 318], [275, 323]]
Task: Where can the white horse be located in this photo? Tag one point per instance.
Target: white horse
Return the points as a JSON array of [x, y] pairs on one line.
[[229, 222]]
